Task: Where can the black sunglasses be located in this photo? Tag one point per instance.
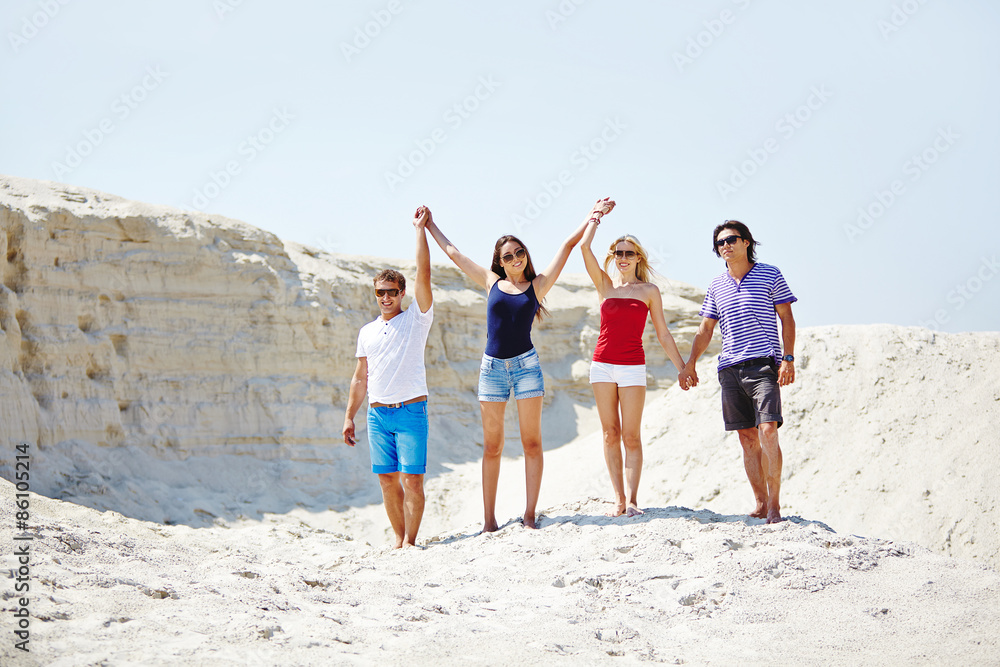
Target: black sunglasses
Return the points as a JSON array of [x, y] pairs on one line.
[[508, 258], [627, 254], [729, 240], [393, 292]]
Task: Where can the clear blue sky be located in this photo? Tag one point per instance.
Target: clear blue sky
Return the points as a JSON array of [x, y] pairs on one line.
[[859, 140]]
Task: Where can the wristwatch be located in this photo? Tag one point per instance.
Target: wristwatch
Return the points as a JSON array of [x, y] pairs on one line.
[[788, 357]]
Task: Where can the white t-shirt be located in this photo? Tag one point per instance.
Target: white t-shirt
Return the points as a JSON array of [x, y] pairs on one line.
[[395, 352]]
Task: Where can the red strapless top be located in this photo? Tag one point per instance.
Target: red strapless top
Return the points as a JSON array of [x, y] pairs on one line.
[[622, 324]]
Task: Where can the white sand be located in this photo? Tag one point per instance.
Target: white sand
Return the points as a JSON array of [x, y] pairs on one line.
[[309, 585], [216, 520], [675, 586]]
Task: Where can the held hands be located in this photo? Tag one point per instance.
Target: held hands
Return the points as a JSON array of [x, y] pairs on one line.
[[422, 217], [786, 373], [601, 208], [687, 378]]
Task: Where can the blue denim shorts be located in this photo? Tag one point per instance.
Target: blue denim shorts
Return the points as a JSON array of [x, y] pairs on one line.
[[522, 373], [397, 439]]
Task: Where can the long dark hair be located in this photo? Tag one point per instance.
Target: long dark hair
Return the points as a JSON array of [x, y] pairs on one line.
[[529, 269], [742, 231]]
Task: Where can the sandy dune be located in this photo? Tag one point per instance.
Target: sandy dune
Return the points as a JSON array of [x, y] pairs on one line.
[[181, 381], [675, 586]]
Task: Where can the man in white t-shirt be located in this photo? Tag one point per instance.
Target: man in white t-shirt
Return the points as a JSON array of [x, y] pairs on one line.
[[391, 371]]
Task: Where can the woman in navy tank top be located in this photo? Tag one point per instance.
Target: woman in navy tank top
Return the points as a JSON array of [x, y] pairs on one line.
[[618, 371], [514, 294]]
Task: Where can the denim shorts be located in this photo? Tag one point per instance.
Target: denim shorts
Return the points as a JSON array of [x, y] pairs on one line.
[[522, 373], [397, 439], [750, 394], [620, 374]]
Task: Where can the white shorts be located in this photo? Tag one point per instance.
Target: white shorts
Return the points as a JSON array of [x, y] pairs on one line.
[[623, 376]]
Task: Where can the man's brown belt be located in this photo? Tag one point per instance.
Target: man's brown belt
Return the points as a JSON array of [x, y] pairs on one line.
[[418, 399]]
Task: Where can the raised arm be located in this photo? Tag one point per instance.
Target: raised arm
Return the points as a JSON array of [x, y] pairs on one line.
[[786, 372], [544, 281], [422, 285], [600, 277], [663, 334], [480, 275]]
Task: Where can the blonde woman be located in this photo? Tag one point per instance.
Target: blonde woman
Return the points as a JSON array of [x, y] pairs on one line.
[[618, 371]]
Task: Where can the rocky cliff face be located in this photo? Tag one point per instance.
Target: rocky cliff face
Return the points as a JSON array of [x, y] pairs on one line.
[[130, 324]]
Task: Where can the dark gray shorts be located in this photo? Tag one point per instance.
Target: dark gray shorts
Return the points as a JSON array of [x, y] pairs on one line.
[[750, 394]]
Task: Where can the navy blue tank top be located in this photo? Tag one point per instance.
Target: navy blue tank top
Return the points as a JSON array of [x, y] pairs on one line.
[[508, 321]]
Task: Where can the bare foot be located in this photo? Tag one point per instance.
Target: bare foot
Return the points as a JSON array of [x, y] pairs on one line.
[[774, 516], [529, 521], [489, 527], [634, 511], [618, 511], [760, 512]]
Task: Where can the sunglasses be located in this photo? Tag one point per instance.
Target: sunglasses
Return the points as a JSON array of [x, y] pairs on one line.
[[627, 254], [508, 258], [729, 240], [393, 292]]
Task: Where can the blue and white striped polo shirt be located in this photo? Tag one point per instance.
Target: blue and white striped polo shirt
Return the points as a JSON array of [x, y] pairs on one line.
[[746, 314]]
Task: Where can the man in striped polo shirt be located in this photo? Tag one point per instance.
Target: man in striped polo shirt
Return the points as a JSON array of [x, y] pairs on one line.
[[744, 300]]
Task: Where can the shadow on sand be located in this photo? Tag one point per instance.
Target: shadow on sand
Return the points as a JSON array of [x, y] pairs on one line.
[[586, 517]]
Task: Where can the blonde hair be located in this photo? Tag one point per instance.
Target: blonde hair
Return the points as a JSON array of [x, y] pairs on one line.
[[643, 272]]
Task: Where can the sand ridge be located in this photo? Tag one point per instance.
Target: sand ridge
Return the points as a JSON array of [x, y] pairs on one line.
[[675, 585], [181, 380]]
